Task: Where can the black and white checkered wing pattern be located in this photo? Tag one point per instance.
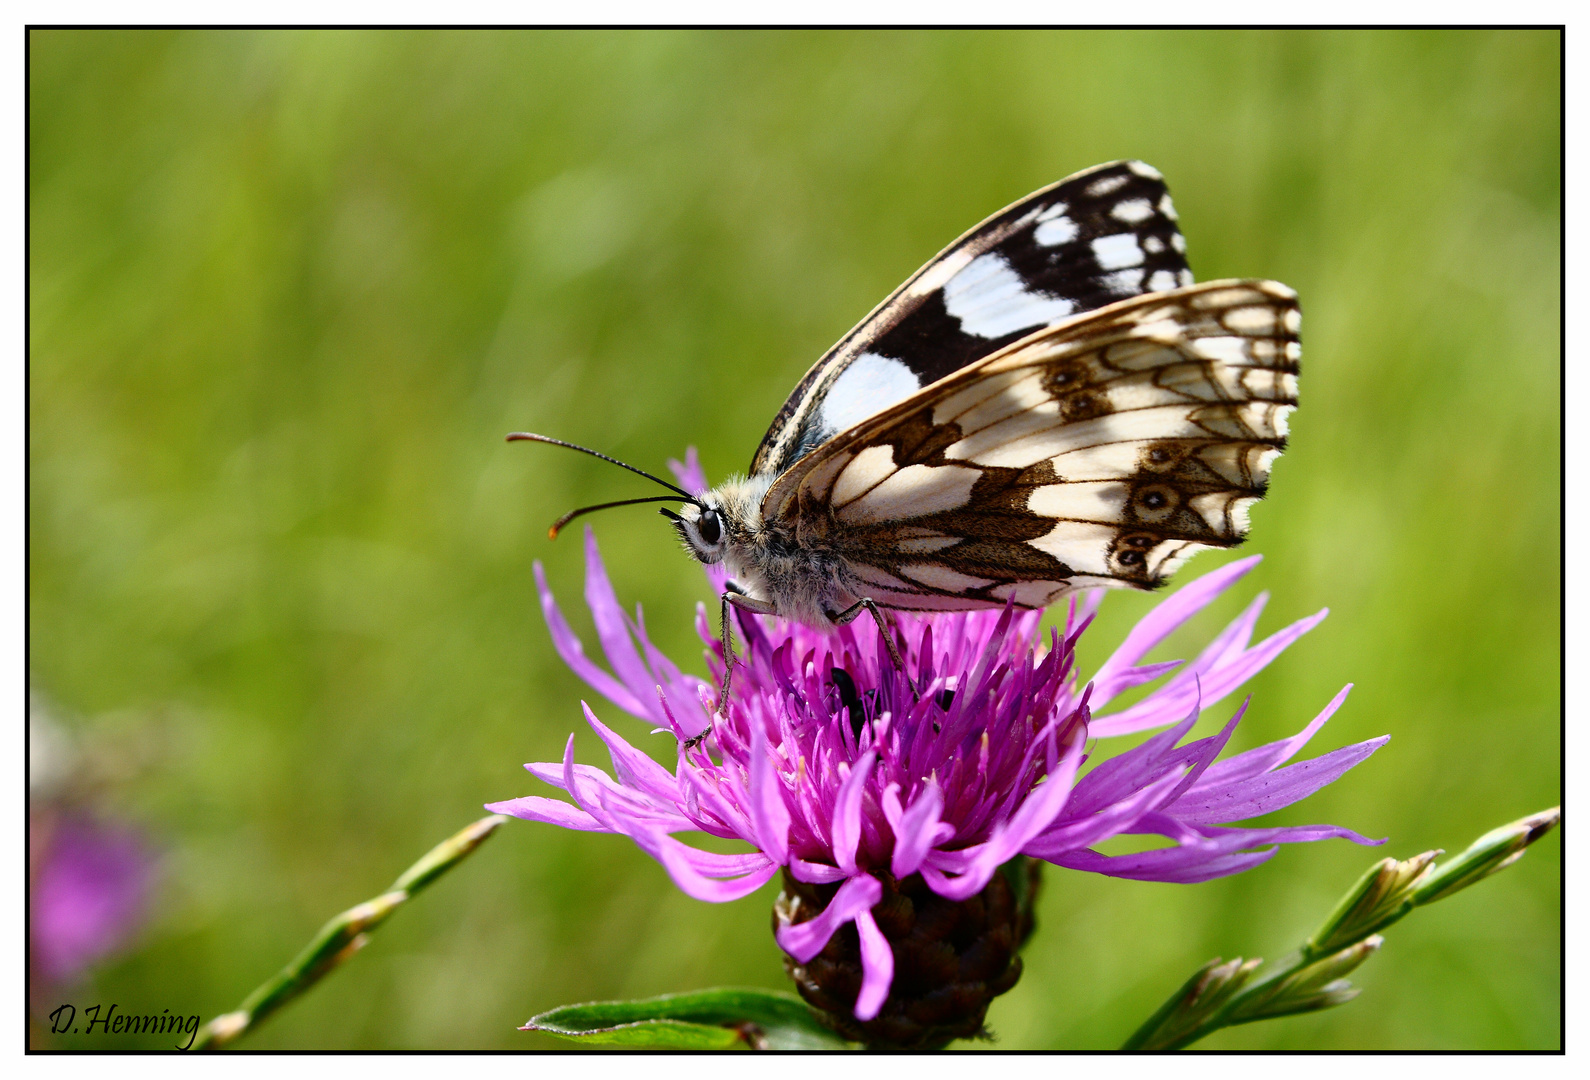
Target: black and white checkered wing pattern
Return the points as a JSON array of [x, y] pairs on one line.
[[1101, 452], [1087, 241]]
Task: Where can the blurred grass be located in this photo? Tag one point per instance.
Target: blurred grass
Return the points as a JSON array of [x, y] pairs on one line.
[[290, 289]]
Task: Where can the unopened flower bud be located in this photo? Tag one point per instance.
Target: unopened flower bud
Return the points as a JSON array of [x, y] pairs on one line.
[[1193, 1006], [1319, 985], [1382, 896], [1495, 850]]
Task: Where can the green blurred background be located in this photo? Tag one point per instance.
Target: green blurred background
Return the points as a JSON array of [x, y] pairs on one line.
[[290, 289]]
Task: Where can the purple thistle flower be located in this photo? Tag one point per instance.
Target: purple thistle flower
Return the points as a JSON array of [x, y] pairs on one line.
[[90, 891], [839, 777]]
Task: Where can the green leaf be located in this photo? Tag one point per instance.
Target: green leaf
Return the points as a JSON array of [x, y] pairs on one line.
[[715, 1019], [669, 1034]]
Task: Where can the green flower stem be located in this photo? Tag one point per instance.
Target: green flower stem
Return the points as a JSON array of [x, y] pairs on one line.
[[343, 936], [1312, 978]]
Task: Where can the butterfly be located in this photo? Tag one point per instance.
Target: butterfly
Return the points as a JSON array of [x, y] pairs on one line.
[[1049, 404]]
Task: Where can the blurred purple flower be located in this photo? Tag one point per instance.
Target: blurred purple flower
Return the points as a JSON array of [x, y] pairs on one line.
[[831, 769], [89, 893]]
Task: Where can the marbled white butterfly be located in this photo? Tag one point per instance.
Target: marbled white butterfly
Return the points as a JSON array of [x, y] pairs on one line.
[[1049, 404]]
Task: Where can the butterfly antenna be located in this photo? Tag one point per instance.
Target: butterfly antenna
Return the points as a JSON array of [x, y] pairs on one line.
[[552, 533], [529, 436]]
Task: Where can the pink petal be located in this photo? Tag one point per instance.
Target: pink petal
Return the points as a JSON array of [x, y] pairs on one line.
[[815, 873], [1234, 639], [847, 812], [1219, 854], [1173, 700], [1083, 607], [918, 831], [1284, 834], [1264, 758], [690, 474], [552, 771], [714, 864], [769, 814], [717, 792], [1009, 838], [662, 814], [1176, 609], [612, 630], [581, 793], [634, 769], [618, 809], [1040, 807], [589, 783], [682, 862], [1094, 828], [1177, 864], [573, 654], [877, 967], [1164, 825], [805, 940], [686, 689], [1198, 755], [551, 811], [1116, 779], [1227, 648], [1216, 804], [1108, 688], [893, 812], [677, 729]]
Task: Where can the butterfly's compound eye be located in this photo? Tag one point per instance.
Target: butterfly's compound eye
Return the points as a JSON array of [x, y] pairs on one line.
[[710, 527]]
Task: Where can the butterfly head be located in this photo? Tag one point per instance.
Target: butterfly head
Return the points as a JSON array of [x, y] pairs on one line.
[[720, 524], [703, 527]]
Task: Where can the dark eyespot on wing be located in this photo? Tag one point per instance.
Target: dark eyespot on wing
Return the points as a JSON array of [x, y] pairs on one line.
[[1102, 452]]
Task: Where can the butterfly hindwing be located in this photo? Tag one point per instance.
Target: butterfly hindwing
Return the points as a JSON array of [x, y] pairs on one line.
[[1103, 451], [1088, 241]]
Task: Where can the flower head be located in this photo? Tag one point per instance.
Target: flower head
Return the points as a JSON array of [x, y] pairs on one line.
[[838, 774], [90, 892], [89, 877]]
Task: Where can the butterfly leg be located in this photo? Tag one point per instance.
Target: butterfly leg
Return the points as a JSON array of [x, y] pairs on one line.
[[732, 595], [840, 618]]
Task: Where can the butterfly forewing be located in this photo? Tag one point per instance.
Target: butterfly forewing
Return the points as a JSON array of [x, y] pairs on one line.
[[1102, 451], [1085, 242]]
